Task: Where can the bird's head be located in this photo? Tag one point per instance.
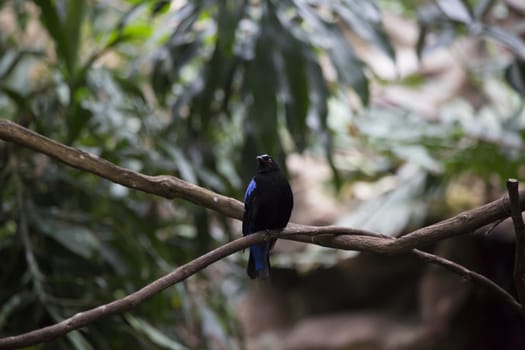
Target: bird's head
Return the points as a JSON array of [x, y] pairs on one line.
[[266, 163]]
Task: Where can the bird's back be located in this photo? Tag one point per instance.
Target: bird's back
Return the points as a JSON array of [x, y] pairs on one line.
[[273, 201]]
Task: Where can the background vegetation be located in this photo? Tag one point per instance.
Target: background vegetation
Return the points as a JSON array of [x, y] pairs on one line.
[[196, 89]]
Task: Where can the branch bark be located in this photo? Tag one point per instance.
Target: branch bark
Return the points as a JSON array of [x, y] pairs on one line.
[[330, 236], [169, 187], [470, 275], [130, 301]]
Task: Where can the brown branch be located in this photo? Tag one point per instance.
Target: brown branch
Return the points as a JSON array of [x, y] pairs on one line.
[[463, 223], [81, 319], [473, 276], [172, 187], [300, 233], [519, 252], [165, 186]]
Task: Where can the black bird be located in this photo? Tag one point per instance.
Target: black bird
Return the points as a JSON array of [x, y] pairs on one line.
[[268, 204]]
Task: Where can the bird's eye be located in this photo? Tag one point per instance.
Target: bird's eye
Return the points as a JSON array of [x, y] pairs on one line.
[[266, 157]]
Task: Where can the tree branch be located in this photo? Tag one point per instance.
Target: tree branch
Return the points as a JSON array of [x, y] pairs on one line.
[[171, 187], [165, 186], [470, 275], [463, 223], [519, 252], [130, 301]]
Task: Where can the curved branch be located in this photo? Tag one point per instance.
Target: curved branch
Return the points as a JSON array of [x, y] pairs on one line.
[[163, 185], [463, 223], [128, 302], [469, 274]]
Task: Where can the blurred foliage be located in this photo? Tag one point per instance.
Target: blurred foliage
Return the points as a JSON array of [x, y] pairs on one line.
[[197, 89], [475, 139]]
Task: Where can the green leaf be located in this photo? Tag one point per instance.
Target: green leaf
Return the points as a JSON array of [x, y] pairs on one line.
[[217, 70], [154, 335], [160, 7], [515, 76], [132, 33], [130, 86], [78, 239], [79, 341], [14, 302], [176, 54], [63, 21], [290, 60], [456, 10], [52, 22], [328, 36], [261, 86], [11, 59], [78, 115], [75, 13], [318, 94], [421, 39], [364, 17], [183, 165], [130, 17], [482, 8], [348, 66], [19, 99], [298, 103], [510, 40]]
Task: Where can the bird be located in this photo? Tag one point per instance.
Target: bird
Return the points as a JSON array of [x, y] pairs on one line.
[[268, 204]]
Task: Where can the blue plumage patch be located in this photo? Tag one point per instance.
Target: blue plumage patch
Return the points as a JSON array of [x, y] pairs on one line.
[[249, 190]]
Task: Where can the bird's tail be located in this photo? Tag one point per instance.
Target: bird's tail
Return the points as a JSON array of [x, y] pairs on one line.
[[259, 261]]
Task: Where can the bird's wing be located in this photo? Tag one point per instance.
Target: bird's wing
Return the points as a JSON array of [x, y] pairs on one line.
[[249, 191], [249, 208]]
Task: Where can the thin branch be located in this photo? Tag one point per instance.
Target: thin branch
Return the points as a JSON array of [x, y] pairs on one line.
[[81, 319], [519, 252], [165, 186], [461, 224], [181, 273], [473, 276]]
